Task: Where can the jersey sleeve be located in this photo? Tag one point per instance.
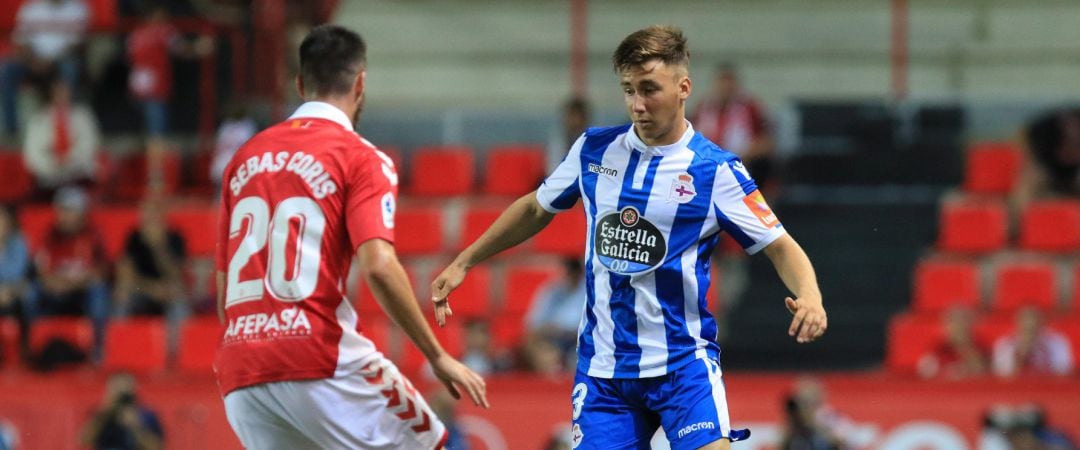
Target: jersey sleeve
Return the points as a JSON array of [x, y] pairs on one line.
[[560, 190], [741, 209], [371, 199]]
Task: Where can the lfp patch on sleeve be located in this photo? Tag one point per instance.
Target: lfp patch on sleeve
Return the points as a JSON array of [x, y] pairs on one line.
[[756, 202]]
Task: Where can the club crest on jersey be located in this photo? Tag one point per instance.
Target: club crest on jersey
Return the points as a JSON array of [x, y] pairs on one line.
[[682, 189], [577, 435], [627, 243]]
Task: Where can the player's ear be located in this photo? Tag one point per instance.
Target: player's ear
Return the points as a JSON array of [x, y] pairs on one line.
[[300, 85], [358, 84], [685, 86]]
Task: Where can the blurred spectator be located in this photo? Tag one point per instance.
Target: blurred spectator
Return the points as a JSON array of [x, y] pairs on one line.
[[121, 422], [48, 33], [14, 274], [150, 46], [543, 357], [443, 405], [1021, 428], [150, 274], [234, 131], [480, 353], [9, 436], [576, 117], [71, 268], [61, 141], [556, 311], [735, 121], [1032, 348], [1053, 158], [812, 424], [960, 355], [560, 440]]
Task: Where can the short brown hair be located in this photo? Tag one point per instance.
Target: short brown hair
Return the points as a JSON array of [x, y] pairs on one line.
[[663, 42], [330, 57]]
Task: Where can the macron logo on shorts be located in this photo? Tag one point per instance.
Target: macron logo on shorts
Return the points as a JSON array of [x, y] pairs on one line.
[[695, 427]]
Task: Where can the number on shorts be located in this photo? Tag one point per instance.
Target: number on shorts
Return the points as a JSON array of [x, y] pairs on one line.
[[307, 245]]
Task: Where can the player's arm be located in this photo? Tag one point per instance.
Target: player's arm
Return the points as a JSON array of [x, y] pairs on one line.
[[380, 268], [220, 296], [522, 220], [797, 273]]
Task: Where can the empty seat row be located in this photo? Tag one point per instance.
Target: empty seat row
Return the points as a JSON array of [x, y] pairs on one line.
[[450, 170], [943, 283], [982, 225], [421, 230], [139, 345]]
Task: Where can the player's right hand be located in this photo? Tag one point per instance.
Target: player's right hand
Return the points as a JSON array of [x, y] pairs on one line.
[[453, 374], [446, 282]]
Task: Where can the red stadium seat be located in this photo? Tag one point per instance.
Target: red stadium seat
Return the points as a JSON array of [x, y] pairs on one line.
[[1052, 226], [114, 224], [377, 329], [522, 283], [992, 168], [473, 297], [199, 227], [75, 330], [1074, 299], [137, 345], [942, 284], [441, 171], [9, 341], [131, 178], [476, 221], [972, 226], [565, 235], [103, 15], [17, 180], [199, 339], [418, 230], [36, 221], [1022, 284], [910, 337], [513, 169]]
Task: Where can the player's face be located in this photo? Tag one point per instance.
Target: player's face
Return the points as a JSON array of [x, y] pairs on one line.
[[655, 96]]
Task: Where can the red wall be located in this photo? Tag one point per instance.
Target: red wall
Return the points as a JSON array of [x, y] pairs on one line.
[[889, 412]]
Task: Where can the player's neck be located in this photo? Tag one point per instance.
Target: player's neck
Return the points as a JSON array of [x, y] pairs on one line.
[[671, 137], [346, 106]]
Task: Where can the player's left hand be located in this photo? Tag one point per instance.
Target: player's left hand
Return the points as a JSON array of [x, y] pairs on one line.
[[810, 320], [446, 282]]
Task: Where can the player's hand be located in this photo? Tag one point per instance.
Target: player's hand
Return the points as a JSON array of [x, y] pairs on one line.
[[809, 322], [446, 282], [453, 374]]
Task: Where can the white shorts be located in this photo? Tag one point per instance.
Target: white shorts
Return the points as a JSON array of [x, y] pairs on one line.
[[373, 408]]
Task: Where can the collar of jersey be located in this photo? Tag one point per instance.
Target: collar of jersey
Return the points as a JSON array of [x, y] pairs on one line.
[[322, 110], [683, 142]]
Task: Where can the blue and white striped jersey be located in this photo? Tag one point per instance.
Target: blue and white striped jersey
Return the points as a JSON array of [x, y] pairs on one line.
[[654, 215]]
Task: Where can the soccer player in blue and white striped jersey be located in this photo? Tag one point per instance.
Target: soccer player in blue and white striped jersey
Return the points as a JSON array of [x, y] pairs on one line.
[[656, 196]]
